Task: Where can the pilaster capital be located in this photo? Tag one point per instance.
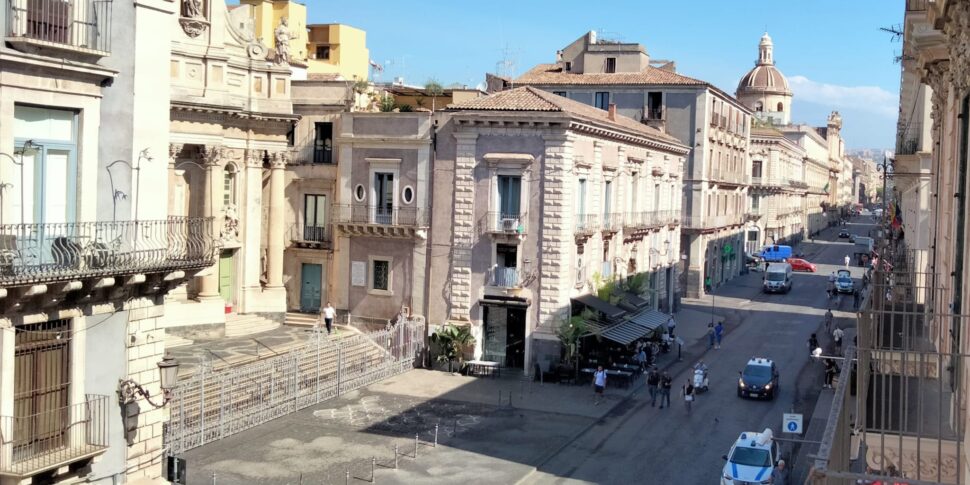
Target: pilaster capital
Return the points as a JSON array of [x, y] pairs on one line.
[[174, 149], [278, 160], [466, 137], [211, 154], [254, 158]]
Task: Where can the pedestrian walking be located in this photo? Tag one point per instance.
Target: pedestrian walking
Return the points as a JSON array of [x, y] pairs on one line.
[[837, 335], [665, 384], [831, 369], [828, 319], [812, 344], [856, 296], [599, 384], [688, 393], [707, 284], [847, 259], [642, 360], [779, 475], [671, 325], [710, 335], [831, 286], [648, 349], [718, 334], [329, 312], [653, 385]]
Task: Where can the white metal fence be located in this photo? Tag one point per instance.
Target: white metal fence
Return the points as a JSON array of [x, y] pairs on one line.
[[211, 405]]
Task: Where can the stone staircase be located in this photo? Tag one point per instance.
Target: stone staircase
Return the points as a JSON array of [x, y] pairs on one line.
[[247, 324], [297, 319]]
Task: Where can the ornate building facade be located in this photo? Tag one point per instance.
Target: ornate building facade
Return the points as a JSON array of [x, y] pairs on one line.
[[230, 118]]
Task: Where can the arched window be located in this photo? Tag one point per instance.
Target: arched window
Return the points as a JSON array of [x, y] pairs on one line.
[[781, 107], [229, 186], [759, 107]]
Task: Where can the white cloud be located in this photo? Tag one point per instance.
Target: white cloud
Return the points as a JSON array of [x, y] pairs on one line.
[[871, 99]]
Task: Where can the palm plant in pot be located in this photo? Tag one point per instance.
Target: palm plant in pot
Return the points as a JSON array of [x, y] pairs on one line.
[[450, 343]]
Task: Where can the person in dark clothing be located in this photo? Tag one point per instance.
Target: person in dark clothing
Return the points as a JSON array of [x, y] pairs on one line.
[[812, 344], [653, 385], [666, 383]]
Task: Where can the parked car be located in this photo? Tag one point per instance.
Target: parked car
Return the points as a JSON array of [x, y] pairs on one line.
[[776, 252], [798, 264], [843, 234], [759, 379], [852, 238]]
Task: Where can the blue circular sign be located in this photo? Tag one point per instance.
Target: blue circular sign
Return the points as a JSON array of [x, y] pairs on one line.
[[792, 426]]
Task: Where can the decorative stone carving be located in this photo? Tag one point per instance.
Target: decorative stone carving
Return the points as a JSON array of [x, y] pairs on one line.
[[282, 35], [938, 76], [230, 224], [957, 30], [254, 159], [278, 160], [256, 51], [174, 149], [192, 18], [211, 155]]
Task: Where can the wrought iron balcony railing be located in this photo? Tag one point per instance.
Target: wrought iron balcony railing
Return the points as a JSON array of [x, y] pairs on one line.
[[613, 221], [503, 277], [323, 155], [76, 24], [44, 253], [587, 223], [310, 235], [34, 443], [379, 215], [506, 222]]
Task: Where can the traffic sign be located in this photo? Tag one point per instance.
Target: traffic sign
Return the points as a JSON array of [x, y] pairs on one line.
[[792, 423]]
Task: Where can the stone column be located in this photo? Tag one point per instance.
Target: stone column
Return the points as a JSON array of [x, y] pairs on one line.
[[464, 231], [175, 208], [274, 239], [211, 155]]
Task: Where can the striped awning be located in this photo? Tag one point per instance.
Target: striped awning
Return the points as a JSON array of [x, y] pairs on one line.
[[637, 326]]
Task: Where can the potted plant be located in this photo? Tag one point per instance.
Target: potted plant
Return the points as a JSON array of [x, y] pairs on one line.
[[450, 342]]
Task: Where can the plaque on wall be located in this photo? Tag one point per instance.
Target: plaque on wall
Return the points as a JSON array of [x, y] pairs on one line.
[[358, 273]]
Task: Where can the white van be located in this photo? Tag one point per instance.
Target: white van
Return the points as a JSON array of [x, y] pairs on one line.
[[778, 278]]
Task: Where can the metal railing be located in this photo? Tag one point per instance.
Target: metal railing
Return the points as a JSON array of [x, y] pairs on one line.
[[213, 404], [379, 215], [915, 5], [323, 155], [83, 24], [653, 114], [587, 223], [506, 222], [613, 221], [314, 234], [906, 417], [503, 277], [50, 439], [711, 222], [908, 139], [39, 253]]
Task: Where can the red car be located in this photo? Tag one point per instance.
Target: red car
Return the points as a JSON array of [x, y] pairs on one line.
[[801, 265]]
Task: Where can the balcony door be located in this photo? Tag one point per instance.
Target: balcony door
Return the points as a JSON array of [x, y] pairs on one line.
[[314, 217], [42, 380], [45, 190], [509, 201], [384, 197]]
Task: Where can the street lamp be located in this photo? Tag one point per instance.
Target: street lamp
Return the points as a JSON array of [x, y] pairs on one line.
[[129, 390]]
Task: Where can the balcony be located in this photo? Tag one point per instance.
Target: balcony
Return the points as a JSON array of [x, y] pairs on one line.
[[311, 237], [503, 277], [704, 223], [32, 254], [323, 155], [587, 224], [380, 221], [51, 439], [512, 224], [613, 221], [67, 25]]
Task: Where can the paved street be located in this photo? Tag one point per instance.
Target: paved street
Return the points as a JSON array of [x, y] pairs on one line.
[[640, 444]]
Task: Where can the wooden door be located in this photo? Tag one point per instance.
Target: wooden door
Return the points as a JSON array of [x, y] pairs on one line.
[[42, 380]]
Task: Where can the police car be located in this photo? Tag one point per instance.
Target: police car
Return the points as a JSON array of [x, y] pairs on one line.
[[751, 459], [843, 282], [759, 379]]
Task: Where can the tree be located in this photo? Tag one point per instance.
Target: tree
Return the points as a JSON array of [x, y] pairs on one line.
[[451, 342], [434, 90]]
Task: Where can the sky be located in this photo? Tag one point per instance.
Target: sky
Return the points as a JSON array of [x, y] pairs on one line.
[[832, 51]]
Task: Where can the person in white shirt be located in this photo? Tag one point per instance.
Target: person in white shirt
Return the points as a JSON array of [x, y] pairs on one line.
[[847, 259], [599, 383], [328, 312], [837, 336]]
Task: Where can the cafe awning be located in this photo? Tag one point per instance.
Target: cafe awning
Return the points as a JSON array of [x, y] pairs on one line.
[[635, 327], [604, 307]]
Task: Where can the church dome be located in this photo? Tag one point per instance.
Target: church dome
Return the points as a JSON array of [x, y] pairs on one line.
[[764, 78]]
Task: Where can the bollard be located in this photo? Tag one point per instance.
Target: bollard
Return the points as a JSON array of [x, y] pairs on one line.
[[373, 469], [347, 480], [435, 436], [213, 478], [415, 446], [301, 479], [499, 397], [395, 457]]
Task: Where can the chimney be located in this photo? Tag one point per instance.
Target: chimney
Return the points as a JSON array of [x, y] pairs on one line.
[[612, 112]]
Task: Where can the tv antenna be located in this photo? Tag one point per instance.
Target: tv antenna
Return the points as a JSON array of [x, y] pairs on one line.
[[506, 66], [896, 31]]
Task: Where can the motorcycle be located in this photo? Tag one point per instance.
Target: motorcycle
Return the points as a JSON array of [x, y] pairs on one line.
[[700, 380]]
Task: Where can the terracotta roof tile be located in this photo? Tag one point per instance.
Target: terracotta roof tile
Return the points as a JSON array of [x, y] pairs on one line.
[[534, 99], [548, 74]]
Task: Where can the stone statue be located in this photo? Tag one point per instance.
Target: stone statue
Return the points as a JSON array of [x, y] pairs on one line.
[[230, 226], [283, 36], [192, 9]]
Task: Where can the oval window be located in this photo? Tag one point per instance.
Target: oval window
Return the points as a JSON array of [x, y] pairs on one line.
[[359, 193], [407, 195]]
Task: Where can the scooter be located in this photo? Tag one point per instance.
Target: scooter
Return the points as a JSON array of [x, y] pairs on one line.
[[700, 380]]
